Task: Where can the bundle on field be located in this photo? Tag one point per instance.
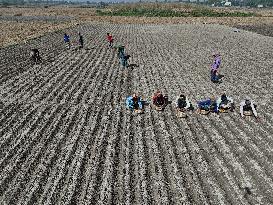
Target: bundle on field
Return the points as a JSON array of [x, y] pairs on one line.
[[168, 10]]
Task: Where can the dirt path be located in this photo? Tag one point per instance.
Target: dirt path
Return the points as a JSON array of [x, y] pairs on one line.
[[67, 138]]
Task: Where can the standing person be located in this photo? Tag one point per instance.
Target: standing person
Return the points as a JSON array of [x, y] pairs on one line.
[[67, 40], [215, 77], [214, 72], [35, 55], [248, 108], [110, 40], [123, 58], [216, 62], [80, 40]]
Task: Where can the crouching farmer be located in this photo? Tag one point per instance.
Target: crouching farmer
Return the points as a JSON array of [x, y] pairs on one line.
[[208, 105], [159, 100], [225, 103], [248, 108], [134, 103], [183, 105]]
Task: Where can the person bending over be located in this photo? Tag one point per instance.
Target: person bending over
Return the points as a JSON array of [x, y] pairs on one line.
[[134, 103]]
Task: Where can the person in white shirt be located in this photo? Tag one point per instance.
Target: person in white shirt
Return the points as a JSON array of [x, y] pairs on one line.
[[225, 103], [182, 103], [248, 106]]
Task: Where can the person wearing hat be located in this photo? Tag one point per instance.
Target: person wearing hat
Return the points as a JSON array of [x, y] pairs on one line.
[[248, 108]]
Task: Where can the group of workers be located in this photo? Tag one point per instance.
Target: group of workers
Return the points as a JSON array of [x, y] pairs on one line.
[[159, 101], [122, 56], [182, 104]]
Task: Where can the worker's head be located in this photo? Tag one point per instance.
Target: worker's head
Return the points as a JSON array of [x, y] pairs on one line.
[[183, 97], [157, 92], [212, 98], [108, 34], [134, 96], [215, 55], [247, 101]]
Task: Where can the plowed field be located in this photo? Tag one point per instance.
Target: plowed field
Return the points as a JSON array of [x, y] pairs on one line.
[[67, 138]]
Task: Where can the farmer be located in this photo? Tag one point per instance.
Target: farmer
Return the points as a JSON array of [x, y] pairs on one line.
[[225, 103], [35, 55], [159, 100], [123, 58], [67, 40], [214, 72], [134, 102], [110, 40], [80, 40], [247, 107], [208, 105], [216, 62], [183, 104]]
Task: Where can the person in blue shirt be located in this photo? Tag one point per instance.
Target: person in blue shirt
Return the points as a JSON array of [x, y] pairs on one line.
[[208, 105], [134, 103], [67, 40], [123, 57]]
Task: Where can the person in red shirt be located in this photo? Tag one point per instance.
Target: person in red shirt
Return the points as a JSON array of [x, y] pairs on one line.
[[159, 101], [110, 40]]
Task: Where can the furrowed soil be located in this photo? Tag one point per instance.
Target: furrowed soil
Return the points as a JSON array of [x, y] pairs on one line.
[[67, 137]]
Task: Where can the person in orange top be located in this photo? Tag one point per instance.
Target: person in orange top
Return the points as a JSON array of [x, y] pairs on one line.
[[110, 40]]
